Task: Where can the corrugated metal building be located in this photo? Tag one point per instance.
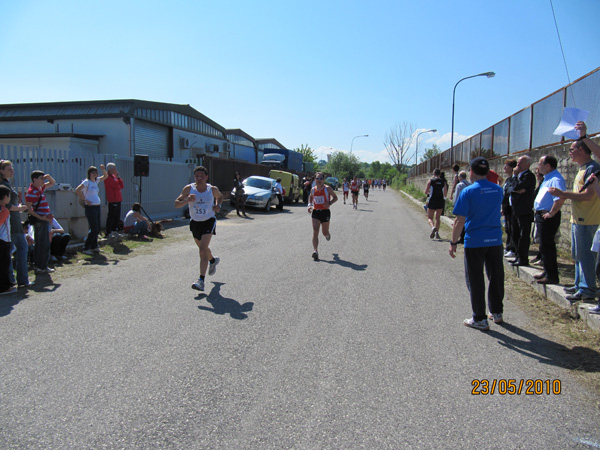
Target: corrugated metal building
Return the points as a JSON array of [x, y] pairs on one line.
[[119, 127]]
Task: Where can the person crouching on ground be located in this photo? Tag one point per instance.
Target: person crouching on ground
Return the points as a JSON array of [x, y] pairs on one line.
[[135, 223]]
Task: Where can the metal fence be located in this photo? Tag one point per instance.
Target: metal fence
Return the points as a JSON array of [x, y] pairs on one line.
[[530, 128], [157, 192]]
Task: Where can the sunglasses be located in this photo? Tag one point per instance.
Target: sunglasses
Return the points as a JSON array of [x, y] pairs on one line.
[[319, 178]]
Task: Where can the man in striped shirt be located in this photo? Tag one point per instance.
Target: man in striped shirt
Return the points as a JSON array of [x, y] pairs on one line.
[[39, 213]]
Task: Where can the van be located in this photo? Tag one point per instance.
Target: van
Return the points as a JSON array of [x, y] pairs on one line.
[[290, 183]]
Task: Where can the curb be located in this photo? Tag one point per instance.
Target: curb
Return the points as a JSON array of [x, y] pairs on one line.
[[554, 293]]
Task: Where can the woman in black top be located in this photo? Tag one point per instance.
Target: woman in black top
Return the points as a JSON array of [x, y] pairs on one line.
[[240, 195]]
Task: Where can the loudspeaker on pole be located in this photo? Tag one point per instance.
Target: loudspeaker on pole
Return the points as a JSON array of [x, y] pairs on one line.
[[141, 166]]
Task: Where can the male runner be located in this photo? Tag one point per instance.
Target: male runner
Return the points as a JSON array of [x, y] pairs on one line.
[[354, 188], [366, 187], [321, 198], [204, 201]]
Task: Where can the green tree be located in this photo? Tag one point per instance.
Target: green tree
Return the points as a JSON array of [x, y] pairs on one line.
[[308, 155], [430, 153], [344, 165]]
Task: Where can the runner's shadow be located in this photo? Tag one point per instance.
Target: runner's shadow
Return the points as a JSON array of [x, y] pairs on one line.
[[337, 260], [546, 351], [222, 305]]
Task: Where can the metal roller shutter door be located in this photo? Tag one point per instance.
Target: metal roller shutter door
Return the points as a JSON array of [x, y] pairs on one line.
[[151, 139]]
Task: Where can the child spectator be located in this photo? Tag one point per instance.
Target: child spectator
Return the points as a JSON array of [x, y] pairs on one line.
[[135, 223], [5, 285], [59, 239]]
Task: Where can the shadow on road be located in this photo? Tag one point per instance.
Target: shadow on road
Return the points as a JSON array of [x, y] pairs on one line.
[[337, 260], [223, 305], [546, 351], [43, 283]]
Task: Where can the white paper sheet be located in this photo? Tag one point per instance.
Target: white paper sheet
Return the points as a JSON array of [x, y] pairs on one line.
[[570, 117]]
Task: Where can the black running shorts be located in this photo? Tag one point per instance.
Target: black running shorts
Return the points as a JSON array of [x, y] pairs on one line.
[[199, 229], [322, 215]]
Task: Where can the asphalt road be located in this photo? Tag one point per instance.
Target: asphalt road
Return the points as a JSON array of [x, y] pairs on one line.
[[364, 349]]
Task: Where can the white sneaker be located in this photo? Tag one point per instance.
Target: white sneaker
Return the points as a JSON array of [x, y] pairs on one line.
[[497, 318], [480, 324], [432, 234], [509, 254], [212, 267], [198, 285]]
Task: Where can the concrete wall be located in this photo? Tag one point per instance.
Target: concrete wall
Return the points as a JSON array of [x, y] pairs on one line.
[[567, 168]]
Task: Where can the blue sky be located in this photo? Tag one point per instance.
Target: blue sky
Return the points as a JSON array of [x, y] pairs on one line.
[[310, 72]]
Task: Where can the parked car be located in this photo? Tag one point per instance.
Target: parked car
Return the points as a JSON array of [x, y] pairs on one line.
[[261, 192], [333, 182], [290, 183]]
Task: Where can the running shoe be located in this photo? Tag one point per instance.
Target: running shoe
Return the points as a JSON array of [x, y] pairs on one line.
[[10, 290], [571, 290], [198, 285], [432, 234], [328, 237], [479, 324], [315, 256], [497, 318], [88, 252], [509, 254], [594, 309], [212, 267], [437, 235]]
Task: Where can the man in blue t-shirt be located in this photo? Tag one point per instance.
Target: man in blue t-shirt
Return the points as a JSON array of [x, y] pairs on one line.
[[477, 209]]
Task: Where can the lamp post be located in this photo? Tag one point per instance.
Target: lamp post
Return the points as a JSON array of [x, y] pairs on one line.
[[485, 74], [352, 143], [417, 152]]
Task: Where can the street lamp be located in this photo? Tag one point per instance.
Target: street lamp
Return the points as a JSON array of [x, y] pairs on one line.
[[362, 135], [485, 74], [417, 152]]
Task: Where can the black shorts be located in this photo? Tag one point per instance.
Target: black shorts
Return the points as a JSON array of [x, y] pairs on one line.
[[354, 192], [322, 215], [436, 203], [199, 229]]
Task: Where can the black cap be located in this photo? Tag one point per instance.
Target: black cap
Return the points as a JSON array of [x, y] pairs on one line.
[[480, 165], [481, 162]]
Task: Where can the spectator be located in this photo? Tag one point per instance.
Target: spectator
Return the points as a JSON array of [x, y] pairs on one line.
[[455, 181], [113, 185], [509, 184], [522, 208], [535, 233], [478, 207], [240, 194], [40, 218], [89, 193], [17, 236], [462, 183], [59, 239], [135, 223], [585, 218], [547, 218], [6, 287], [280, 194]]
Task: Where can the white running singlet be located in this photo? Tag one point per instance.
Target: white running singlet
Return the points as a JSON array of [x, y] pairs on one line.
[[202, 209]]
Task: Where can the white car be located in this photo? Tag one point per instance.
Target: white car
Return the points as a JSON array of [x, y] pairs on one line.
[[260, 191]]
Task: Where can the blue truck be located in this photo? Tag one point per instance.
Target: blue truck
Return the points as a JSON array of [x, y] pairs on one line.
[[291, 159]]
